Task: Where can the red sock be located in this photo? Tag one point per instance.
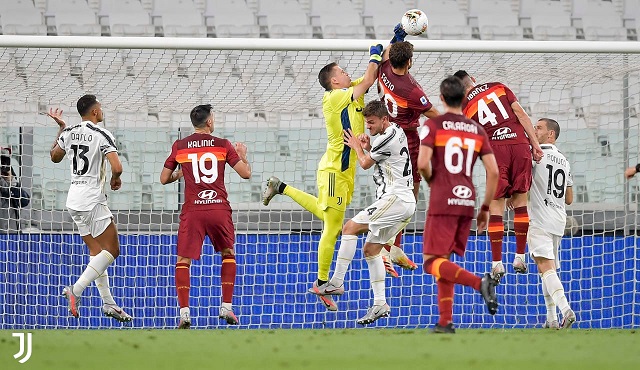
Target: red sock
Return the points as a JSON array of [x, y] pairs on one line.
[[521, 228], [228, 277], [444, 269], [183, 283], [496, 233], [395, 242], [445, 301]]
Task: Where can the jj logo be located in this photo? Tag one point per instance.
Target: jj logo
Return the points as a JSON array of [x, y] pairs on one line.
[[24, 337]]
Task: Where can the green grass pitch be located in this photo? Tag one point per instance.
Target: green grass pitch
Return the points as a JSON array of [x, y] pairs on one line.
[[520, 349]]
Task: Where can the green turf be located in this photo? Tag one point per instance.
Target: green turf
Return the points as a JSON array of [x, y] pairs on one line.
[[538, 349]]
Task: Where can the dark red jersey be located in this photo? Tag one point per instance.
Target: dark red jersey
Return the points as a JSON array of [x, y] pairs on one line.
[[490, 105], [203, 158], [457, 142], [403, 96]]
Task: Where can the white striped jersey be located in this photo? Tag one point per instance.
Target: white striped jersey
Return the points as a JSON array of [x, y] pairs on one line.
[[551, 177], [392, 172], [86, 146]]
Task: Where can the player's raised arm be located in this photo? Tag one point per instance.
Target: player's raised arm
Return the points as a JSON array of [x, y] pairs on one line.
[[371, 74], [56, 152], [526, 123], [243, 168], [364, 159]]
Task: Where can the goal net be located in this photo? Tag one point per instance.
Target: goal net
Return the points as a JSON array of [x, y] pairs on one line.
[[265, 93]]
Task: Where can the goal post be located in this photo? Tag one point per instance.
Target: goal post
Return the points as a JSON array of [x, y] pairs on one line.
[[265, 93]]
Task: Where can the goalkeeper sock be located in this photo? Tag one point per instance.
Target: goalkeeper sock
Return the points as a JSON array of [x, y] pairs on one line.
[[346, 252], [552, 315], [521, 228], [102, 283], [95, 268], [496, 233], [376, 277], [445, 301], [555, 290], [442, 268], [183, 284], [228, 277]]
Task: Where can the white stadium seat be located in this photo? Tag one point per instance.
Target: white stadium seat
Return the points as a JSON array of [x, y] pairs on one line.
[[73, 18], [232, 18]]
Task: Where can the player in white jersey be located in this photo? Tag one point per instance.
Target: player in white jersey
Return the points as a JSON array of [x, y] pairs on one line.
[[551, 189], [394, 206], [87, 145]]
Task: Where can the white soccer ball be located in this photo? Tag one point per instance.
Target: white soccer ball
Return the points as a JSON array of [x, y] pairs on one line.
[[415, 22]]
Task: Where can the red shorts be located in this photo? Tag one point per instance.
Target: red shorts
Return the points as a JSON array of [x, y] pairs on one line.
[[514, 165], [413, 144], [444, 234], [194, 225]]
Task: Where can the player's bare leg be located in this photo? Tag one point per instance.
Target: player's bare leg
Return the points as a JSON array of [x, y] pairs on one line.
[[496, 234], [521, 229]]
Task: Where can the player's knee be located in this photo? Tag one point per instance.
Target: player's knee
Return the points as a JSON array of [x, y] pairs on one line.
[[227, 252], [427, 264]]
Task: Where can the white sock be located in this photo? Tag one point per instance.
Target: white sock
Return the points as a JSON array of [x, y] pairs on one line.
[[552, 315], [102, 282], [555, 290], [226, 305], [376, 277], [185, 311], [495, 263], [521, 256], [95, 268], [346, 252]]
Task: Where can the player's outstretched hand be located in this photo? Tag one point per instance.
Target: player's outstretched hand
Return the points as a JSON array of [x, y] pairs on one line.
[[241, 149], [630, 172], [116, 183], [481, 220], [399, 33], [350, 140], [375, 53], [57, 116]]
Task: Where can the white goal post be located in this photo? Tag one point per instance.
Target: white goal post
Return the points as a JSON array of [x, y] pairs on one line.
[[265, 93]]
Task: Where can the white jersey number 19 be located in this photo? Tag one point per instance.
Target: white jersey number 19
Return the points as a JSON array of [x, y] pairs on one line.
[[485, 115]]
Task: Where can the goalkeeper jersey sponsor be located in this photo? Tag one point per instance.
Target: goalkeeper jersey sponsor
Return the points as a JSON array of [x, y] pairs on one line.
[[403, 96], [341, 113], [551, 177], [392, 172], [86, 146], [203, 158]]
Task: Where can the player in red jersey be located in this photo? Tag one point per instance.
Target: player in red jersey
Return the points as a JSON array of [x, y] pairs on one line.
[[450, 145], [206, 210], [406, 102], [496, 108]]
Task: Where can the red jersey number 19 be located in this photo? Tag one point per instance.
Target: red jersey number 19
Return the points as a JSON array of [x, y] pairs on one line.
[[201, 172]]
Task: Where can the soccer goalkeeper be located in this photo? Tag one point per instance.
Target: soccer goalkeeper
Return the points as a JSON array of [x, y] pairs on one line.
[[342, 106]]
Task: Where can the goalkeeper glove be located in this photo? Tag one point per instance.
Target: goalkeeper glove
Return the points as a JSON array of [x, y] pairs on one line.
[[375, 52], [399, 33]]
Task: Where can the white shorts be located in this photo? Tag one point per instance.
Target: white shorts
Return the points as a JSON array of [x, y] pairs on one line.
[[93, 222], [543, 244], [386, 217]]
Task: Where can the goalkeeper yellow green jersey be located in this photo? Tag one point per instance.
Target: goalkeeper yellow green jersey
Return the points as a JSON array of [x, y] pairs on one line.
[[341, 113]]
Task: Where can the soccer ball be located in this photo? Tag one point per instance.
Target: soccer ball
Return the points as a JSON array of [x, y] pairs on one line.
[[414, 22]]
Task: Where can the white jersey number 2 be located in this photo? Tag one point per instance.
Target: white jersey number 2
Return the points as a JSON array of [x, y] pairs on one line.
[[485, 115]]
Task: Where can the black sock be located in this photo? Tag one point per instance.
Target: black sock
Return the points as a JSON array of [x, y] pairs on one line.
[[281, 187], [320, 282]]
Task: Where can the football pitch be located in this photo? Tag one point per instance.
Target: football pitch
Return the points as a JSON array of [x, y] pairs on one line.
[[326, 349]]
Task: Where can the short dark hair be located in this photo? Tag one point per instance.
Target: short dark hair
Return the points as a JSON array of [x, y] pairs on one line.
[[325, 74], [552, 125], [400, 53], [200, 114], [85, 103], [461, 74], [375, 108], [452, 90]]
